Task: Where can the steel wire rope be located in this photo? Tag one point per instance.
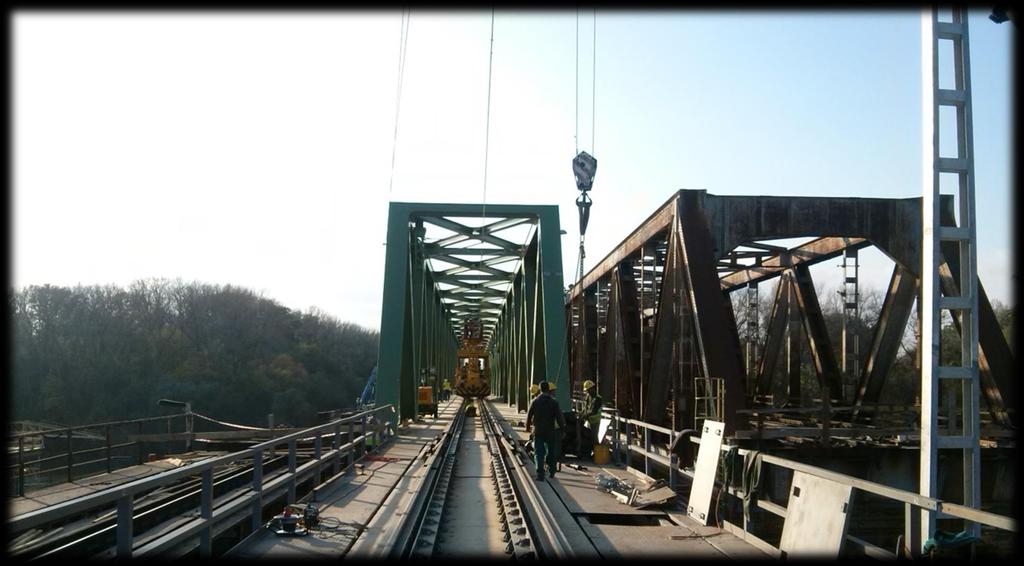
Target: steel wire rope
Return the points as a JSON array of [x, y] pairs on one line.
[[403, 41], [487, 143], [593, 94]]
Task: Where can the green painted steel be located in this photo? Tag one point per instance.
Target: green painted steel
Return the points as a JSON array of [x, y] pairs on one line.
[[432, 285]]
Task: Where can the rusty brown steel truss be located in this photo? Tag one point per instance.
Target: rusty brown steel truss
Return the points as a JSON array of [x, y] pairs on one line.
[[655, 313]]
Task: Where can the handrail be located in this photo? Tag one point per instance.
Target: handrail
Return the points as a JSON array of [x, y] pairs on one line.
[[910, 499], [123, 494], [92, 426]]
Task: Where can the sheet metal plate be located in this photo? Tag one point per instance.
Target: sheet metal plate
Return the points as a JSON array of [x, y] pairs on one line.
[[699, 505], [816, 517]]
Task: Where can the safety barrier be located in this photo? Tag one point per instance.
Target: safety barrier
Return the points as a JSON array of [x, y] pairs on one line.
[[20, 466], [641, 444], [123, 495]]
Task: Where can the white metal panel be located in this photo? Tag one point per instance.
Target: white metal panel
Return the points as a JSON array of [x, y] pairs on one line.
[[816, 517], [699, 505]]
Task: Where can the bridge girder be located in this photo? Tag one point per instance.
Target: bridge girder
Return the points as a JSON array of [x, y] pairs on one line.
[[432, 285], [655, 313]]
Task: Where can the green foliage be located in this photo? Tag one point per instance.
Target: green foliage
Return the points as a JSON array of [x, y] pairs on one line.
[[103, 353]]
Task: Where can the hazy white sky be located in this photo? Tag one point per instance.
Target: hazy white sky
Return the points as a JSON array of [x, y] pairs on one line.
[[255, 149]]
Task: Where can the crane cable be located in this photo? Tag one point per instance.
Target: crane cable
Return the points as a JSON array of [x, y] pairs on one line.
[[487, 144], [487, 129], [583, 203], [403, 41]]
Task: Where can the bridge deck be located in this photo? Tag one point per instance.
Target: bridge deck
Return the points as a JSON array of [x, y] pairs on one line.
[[354, 498], [616, 530], [655, 531], [59, 493]]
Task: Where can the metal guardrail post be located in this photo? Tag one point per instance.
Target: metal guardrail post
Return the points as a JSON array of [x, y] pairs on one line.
[[647, 449], [291, 471], [362, 433], [629, 445], [350, 456], [335, 444], [206, 513], [138, 444], [125, 507], [316, 454], [189, 427], [21, 466], [70, 456], [108, 448], [911, 530], [673, 462], [270, 425], [257, 488], [618, 439]]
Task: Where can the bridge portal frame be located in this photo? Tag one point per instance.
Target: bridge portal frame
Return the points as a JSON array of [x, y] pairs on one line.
[[413, 302]]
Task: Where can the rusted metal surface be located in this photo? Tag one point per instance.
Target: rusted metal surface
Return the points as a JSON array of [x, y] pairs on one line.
[[655, 313], [776, 332], [892, 320], [808, 254], [825, 365]]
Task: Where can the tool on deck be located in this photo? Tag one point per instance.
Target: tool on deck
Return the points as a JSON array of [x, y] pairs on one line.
[[288, 523]]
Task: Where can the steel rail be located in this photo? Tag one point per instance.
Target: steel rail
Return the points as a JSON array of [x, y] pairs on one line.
[[429, 517], [514, 524], [398, 540]]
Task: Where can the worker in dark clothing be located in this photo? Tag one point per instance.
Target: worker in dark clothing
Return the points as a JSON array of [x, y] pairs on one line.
[[592, 410], [547, 416]]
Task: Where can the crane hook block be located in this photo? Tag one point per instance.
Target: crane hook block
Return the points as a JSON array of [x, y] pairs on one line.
[[584, 166]]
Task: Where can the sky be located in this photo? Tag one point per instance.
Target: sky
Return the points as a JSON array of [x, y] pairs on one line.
[[255, 149]]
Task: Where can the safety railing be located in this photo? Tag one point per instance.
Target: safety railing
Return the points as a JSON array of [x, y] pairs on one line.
[[636, 440], [123, 495], [70, 460]]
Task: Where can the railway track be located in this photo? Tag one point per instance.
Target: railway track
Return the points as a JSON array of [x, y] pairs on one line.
[[493, 513]]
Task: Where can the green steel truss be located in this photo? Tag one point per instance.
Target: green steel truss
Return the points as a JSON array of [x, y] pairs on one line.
[[447, 263]]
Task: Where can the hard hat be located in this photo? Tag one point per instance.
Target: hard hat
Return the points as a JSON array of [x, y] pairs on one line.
[[534, 389], [588, 384], [551, 386]]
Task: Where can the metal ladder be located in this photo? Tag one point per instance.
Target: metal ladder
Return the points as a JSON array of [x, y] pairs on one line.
[[850, 293], [964, 306]]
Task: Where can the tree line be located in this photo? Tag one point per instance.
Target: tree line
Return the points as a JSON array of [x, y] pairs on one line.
[[95, 353]]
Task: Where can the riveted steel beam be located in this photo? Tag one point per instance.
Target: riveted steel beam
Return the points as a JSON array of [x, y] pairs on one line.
[[888, 332], [810, 253]]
